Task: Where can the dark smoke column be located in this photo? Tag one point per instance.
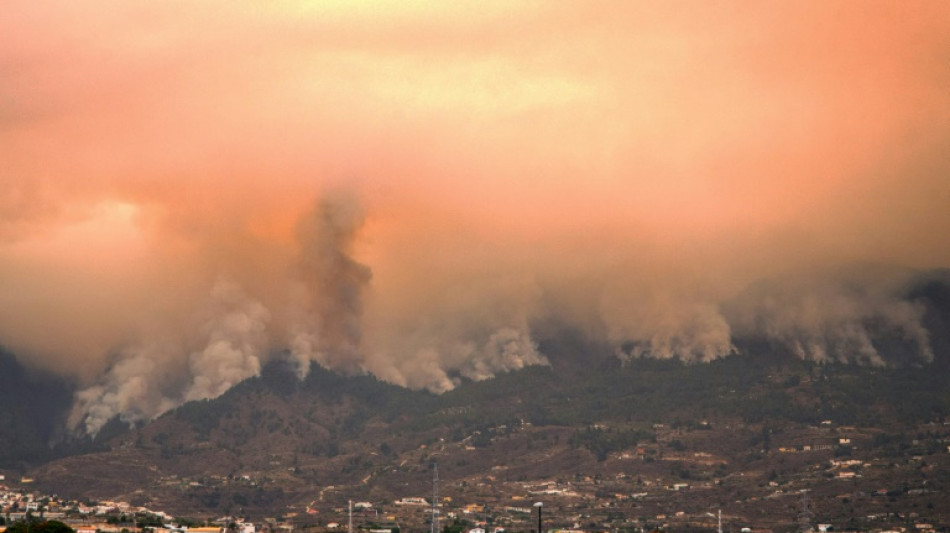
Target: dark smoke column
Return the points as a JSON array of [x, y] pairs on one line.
[[334, 280]]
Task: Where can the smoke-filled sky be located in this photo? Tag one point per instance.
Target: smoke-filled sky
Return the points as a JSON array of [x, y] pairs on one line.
[[404, 188]]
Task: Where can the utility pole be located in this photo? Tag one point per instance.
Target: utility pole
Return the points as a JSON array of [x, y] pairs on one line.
[[349, 528], [539, 505]]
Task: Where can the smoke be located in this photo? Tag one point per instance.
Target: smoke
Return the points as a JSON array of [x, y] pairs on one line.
[[128, 390], [406, 190], [686, 330], [149, 379], [438, 363], [505, 350], [832, 320], [236, 334], [334, 284]]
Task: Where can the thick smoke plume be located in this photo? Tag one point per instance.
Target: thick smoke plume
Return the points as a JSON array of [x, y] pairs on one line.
[[147, 379], [334, 284], [409, 190], [847, 321], [130, 390], [236, 334]]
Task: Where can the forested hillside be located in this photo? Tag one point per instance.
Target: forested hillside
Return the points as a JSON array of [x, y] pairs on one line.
[[33, 407]]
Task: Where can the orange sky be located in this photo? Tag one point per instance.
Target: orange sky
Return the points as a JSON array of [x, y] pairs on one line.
[[167, 172]]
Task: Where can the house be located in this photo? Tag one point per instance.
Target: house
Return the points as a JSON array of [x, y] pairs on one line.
[[412, 501], [383, 527]]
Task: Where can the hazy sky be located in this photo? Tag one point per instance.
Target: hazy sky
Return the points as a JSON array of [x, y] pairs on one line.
[[406, 187]]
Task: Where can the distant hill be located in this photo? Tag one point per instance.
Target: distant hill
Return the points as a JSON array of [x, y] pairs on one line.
[[272, 439], [290, 436]]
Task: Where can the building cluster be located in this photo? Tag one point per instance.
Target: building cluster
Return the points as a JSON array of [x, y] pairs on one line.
[[18, 505]]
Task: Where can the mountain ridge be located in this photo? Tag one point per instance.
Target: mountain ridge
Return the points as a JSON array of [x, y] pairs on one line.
[[271, 440], [336, 430]]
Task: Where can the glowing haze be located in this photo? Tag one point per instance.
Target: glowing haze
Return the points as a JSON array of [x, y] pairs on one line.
[[188, 190]]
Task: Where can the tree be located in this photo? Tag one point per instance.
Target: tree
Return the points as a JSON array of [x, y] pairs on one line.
[[46, 526], [456, 526]]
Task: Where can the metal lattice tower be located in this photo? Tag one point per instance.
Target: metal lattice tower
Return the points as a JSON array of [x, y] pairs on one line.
[[804, 517], [435, 498]]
